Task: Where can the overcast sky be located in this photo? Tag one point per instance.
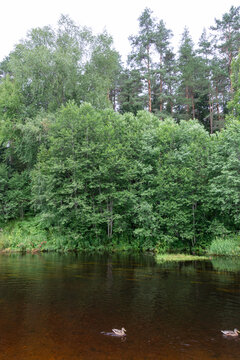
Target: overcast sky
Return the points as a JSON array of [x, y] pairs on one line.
[[119, 18]]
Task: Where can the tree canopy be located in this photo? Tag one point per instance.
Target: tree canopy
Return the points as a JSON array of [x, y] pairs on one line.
[[98, 151]]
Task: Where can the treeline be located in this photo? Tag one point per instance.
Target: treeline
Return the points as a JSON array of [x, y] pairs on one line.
[[53, 66], [97, 175]]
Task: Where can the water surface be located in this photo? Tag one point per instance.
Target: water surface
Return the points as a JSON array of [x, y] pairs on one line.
[[56, 307]]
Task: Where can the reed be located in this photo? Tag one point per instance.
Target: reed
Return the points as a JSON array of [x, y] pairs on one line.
[[225, 246]]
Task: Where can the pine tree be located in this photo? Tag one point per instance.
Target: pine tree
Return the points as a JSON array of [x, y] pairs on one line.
[[227, 37], [187, 65], [162, 45], [234, 104], [205, 108], [140, 56]]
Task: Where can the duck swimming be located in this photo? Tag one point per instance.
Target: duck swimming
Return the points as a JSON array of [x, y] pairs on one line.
[[235, 332], [119, 332]]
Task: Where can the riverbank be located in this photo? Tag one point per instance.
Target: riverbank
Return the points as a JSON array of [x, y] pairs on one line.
[[29, 236]]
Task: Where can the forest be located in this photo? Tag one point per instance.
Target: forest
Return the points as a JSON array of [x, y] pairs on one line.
[[97, 154]]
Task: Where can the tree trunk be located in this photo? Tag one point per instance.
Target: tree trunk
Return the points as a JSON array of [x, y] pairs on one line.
[[230, 56], [218, 111], [194, 207], [211, 113], [171, 97], [110, 218], [231, 84], [161, 102], [21, 211], [187, 97], [149, 96], [161, 85], [149, 82], [114, 99], [193, 106]]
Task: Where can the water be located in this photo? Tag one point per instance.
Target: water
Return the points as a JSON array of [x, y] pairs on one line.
[[62, 307]]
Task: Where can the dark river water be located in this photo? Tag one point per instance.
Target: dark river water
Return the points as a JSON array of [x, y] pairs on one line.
[[62, 307]]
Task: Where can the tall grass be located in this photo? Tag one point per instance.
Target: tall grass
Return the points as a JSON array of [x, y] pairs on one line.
[[225, 246]]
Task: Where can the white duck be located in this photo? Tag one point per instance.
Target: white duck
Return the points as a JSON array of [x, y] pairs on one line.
[[119, 332], [235, 332]]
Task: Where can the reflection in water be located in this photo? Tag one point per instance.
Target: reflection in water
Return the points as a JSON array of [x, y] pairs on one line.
[[226, 264], [61, 306]]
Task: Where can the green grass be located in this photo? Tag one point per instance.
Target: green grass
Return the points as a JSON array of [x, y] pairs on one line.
[[225, 246], [178, 257]]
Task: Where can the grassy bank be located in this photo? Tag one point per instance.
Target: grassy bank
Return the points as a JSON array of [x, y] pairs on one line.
[[179, 257], [29, 236]]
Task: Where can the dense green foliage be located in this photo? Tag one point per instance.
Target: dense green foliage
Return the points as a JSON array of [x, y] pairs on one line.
[[99, 177], [77, 174]]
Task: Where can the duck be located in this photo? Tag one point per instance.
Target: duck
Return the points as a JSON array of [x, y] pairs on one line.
[[119, 332], [235, 332]]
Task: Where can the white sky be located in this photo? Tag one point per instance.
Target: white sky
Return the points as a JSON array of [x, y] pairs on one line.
[[118, 17]]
